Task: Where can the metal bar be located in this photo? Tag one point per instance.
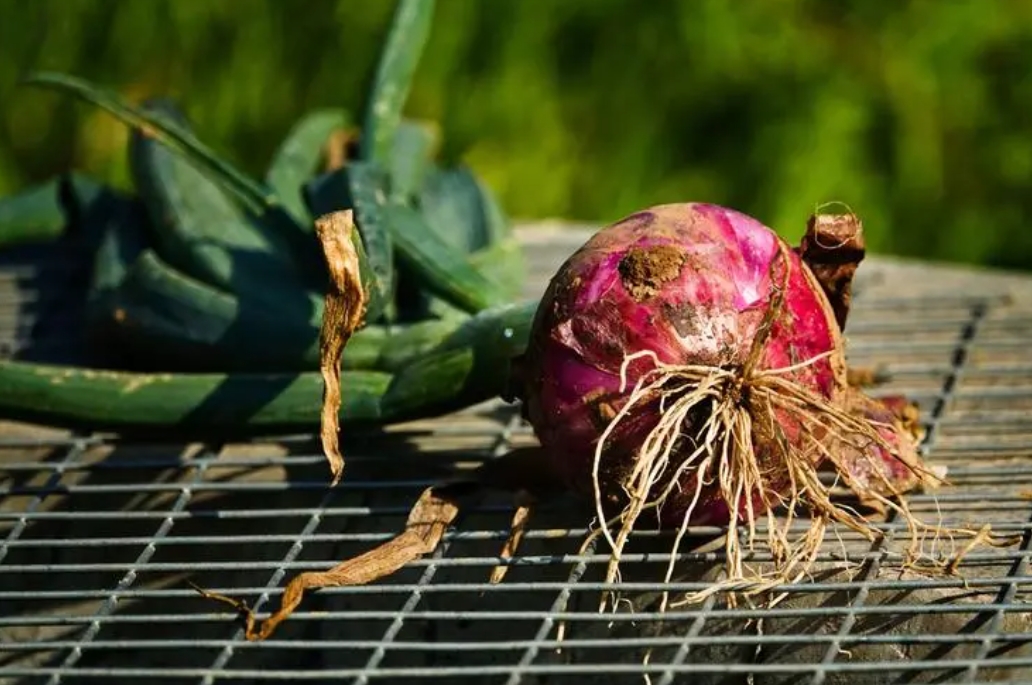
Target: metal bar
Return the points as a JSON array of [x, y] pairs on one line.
[[73, 452], [240, 487], [548, 621], [686, 643], [558, 605], [399, 619], [220, 662], [501, 444], [137, 488], [75, 653], [1001, 500], [582, 586], [992, 626], [512, 645], [1014, 528], [531, 669], [879, 547], [565, 617], [1000, 556]]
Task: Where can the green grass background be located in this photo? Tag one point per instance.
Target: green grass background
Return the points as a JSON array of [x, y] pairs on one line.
[[917, 114]]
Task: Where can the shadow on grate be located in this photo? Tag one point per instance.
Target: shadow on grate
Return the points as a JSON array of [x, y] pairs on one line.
[[100, 536]]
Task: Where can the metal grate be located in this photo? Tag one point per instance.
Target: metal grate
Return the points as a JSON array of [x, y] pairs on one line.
[[98, 536]]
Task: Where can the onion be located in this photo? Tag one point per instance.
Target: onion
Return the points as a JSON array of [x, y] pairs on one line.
[[688, 365]]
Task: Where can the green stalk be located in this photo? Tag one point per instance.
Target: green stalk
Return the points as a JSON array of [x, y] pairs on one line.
[[167, 132], [409, 31]]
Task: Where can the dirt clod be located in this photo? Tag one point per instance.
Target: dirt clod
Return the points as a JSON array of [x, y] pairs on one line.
[[644, 270]]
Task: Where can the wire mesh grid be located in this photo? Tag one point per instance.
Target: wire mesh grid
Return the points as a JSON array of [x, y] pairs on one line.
[[99, 535]]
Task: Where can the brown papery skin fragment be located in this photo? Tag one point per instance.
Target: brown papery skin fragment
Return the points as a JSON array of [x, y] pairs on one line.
[[346, 302], [524, 471], [427, 523]]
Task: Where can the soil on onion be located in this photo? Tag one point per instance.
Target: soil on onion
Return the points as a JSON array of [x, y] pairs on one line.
[[644, 270]]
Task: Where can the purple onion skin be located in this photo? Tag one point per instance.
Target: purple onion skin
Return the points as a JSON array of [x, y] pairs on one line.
[[692, 283]]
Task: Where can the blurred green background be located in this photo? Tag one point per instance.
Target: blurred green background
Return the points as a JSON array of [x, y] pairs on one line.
[[916, 114]]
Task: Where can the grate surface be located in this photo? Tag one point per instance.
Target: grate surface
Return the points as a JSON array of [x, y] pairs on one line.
[[98, 536]]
